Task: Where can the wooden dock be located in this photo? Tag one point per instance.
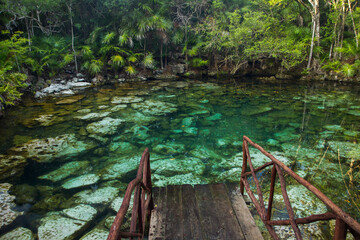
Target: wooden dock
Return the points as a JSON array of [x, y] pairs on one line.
[[210, 212]]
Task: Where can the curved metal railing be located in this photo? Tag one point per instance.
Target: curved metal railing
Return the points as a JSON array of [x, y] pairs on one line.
[[142, 206], [344, 221]]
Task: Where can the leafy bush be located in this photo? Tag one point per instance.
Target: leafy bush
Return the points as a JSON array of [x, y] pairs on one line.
[[12, 56]]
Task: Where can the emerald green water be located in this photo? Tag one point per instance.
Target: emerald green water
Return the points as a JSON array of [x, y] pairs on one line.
[[193, 130]]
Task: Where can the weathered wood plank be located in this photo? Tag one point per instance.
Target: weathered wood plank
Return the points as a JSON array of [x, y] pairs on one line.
[[157, 221], [210, 224], [174, 217], [191, 215], [226, 213], [244, 217]]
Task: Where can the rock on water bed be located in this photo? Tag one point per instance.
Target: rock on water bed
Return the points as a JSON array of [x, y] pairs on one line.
[[99, 196], [55, 227], [81, 212], [11, 166], [96, 234], [7, 215], [47, 150], [65, 171], [19, 233], [81, 181], [104, 127], [154, 107]]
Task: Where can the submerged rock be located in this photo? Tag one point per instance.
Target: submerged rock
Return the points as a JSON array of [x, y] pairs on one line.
[[7, 215], [46, 150], [335, 128], [11, 166], [81, 212], [55, 226], [81, 181], [44, 120], [154, 107], [99, 196], [96, 234], [118, 107], [203, 152], [189, 178], [120, 168], [250, 111], [174, 166], [19, 233], [303, 202], [25, 193], [169, 148], [93, 116], [122, 147], [346, 149], [70, 100], [105, 127], [65, 170], [49, 203], [128, 99]]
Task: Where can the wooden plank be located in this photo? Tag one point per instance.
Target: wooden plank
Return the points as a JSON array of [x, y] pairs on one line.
[[226, 213], [210, 225], [191, 216], [174, 217], [157, 221], [244, 217]]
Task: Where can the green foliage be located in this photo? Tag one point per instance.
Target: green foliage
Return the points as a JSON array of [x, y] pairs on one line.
[[332, 65], [12, 56], [348, 70], [148, 61], [50, 54], [198, 62], [130, 70], [94, 66]]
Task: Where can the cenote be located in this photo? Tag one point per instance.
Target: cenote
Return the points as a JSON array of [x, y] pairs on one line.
[[63, 155]]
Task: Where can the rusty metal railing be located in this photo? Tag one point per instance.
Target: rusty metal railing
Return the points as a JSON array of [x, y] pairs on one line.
[[142, 206], [343, 223]]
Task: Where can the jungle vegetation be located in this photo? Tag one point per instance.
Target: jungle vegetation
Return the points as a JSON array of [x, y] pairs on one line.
[[46, 38]]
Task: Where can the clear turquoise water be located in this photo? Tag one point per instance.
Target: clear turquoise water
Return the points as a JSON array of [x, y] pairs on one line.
[[293, 119]]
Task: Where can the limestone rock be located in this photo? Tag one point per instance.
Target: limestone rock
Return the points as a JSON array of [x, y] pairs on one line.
[[96, 234], [154, 107], [104, 127], [189, 178], [175, 166], [169, 148], [93, 116], [65, 170], [11, 166], [250, 111], [81, 212], [7, 215], [70, 100], [19, 233], [55, 227], [81, 181], [46, 150], [99, 196], [128, 99], [120, 168]]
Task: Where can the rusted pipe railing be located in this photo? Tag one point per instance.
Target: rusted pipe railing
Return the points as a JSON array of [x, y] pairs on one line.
[[343, 223], [142, 206]]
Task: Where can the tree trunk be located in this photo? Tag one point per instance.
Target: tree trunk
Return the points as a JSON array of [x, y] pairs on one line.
[[186, 50], [312, 42], [28, 33], [161, 60], [353, 23], [72, 35], [166, 57]]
